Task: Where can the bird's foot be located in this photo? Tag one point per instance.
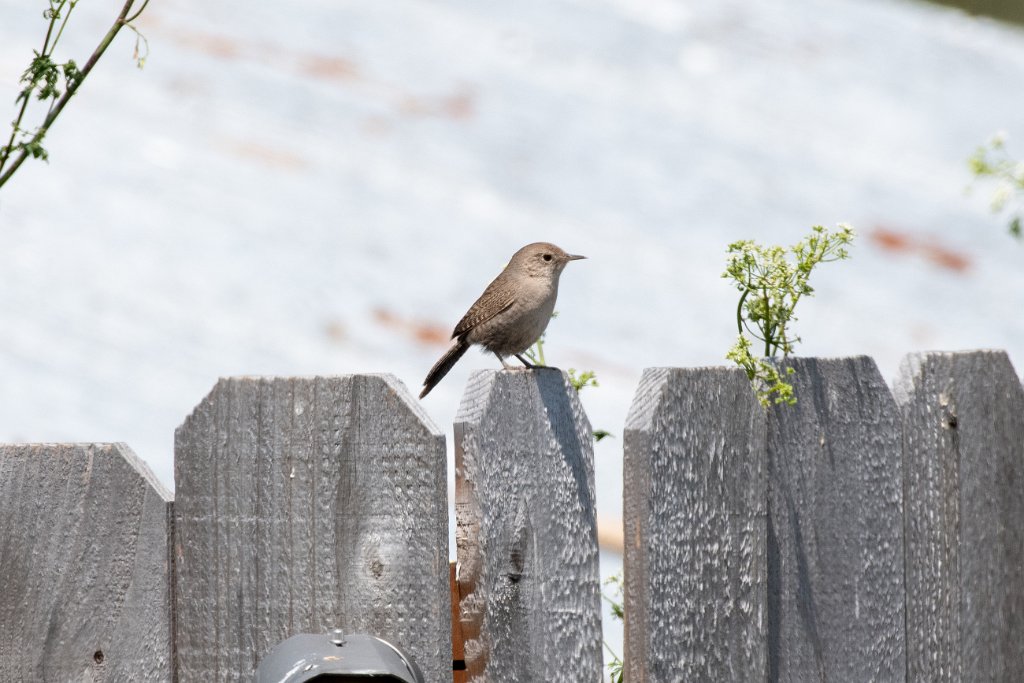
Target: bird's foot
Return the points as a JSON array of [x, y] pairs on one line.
[[515, 368], [525, 362]]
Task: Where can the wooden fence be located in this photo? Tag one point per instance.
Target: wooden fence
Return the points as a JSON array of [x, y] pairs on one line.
[[860, 535]]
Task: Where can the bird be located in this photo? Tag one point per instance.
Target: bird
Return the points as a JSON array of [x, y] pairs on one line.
[[512, 312]]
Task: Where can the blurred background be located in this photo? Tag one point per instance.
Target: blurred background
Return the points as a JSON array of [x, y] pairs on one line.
[[324, 187]]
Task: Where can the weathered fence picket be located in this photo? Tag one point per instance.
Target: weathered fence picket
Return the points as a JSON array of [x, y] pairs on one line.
[[527, 530], [835, 527], [84, 565], [695, 515], [963, 423], [304, 505]]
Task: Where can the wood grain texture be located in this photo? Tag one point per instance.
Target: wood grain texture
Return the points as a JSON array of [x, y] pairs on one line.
[[695, 522], [835, 529], [304, 505], [458, 652], [84, 566], [963, 416], [527, 531]]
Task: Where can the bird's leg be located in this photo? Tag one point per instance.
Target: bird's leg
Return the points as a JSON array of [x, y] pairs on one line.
[[503, 363], [525, 362]]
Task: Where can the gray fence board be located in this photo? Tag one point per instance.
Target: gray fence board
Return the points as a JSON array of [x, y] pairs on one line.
[[835, 530], [964, 481], [527, 532], [84, 565], [695, 523], [307, 504]]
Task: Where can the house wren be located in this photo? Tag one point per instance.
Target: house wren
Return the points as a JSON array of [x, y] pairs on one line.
[[512, 312]]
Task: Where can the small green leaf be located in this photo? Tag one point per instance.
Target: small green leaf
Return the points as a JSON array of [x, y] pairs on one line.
[[35, 149]]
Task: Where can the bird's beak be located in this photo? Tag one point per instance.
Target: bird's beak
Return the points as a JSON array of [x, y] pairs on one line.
[[575, 257]]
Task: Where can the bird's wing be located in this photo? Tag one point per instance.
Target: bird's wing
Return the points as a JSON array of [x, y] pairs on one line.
[[493, 301]]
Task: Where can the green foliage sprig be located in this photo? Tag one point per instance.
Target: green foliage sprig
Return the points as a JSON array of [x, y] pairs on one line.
[[992, 161], [615, 601], [771, 281], [581, 379], [54, 83]]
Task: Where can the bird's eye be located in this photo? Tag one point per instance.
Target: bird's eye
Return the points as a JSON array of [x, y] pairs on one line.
[[547, 257]]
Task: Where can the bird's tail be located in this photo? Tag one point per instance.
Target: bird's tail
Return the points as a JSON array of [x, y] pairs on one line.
[[442, 366]]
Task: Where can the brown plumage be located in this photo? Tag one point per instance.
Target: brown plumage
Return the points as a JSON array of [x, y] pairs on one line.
[[512, 312]]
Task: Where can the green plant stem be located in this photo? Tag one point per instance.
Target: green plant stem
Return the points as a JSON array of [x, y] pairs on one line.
[[739, 311], [136, 15], [16, 126], [742, 324], [72, 88], [63, 23], [60, 32], [613, 653]]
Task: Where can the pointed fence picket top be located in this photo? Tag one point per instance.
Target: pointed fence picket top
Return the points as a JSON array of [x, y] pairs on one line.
[[835, 527], [84, 568], [304, 505], [694, 513], [527, 531], [963, 417]]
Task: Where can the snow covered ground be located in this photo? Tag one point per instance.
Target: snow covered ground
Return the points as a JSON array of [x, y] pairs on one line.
[[323, 187]]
